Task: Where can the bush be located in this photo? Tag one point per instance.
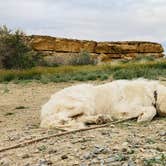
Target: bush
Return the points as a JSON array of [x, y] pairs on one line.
[[14, 51], [83, 58]]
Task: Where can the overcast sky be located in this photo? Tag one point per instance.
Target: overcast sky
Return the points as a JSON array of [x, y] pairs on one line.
[[102, 20]]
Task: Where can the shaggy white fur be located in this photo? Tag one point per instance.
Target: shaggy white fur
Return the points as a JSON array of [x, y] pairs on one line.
[[76, 106]]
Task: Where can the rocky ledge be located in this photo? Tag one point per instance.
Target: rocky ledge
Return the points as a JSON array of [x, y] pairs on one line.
[[53, 48]]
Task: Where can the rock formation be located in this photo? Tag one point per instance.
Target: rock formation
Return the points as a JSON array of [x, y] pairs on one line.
[[60, 48]]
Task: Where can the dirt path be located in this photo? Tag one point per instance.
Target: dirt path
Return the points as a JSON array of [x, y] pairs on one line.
[[123, 144]]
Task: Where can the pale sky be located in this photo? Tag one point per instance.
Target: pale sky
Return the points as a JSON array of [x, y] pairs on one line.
[[101, 20]]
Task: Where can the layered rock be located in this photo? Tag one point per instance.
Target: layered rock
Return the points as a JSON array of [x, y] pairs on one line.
[[128, 47], [61, 48], [46, 43]]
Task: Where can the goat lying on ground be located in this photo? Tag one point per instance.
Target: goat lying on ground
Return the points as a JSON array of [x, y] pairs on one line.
[[76, 106]]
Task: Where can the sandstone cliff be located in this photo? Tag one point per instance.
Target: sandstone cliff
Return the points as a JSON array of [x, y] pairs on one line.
[[54, 47]]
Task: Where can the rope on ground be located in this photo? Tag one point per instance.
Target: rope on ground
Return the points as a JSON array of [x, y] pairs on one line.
[[60, 134]]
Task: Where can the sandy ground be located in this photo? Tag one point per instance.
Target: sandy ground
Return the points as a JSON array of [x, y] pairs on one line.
[[126, 144]]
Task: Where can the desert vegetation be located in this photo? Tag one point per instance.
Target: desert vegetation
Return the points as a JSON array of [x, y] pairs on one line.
[[129, 70]]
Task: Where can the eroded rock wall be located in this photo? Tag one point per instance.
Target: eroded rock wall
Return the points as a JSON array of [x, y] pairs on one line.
[[54, 48]]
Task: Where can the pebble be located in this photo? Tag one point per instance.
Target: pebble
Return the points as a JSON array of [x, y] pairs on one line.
[[14, 138], [24, 156], [83, 147], [44, 162], [87, 156], [162, 133], [63, 157], [102, 162], [51, 143], [163, 139], [98, 150], [110, 159], [51, 151]]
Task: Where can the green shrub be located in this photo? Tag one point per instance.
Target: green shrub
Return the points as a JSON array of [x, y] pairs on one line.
[[152, 70], [83, 58], [15, 52], [103, 77]]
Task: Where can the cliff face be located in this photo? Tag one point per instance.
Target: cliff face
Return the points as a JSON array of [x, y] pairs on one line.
[[104, 51]]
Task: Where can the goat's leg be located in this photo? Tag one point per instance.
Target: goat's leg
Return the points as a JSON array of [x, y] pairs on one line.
[[126, 111], [147, 114]]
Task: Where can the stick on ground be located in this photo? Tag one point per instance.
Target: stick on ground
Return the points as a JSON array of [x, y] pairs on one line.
[[60, 134]]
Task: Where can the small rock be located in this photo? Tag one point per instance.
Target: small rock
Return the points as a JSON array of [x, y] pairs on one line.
[[76, 163], [63, 157], [110, 159], [162, 139], [87, 156], [106, 150], [14, 137], [99, 150], [51, 143], [102, 162], [44, 141], [83, 147], [45, 162], [24, 156], [162, 133], [130, 151], [51, 151]]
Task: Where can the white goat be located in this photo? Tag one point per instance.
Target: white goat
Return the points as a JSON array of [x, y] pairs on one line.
[[76, 106]]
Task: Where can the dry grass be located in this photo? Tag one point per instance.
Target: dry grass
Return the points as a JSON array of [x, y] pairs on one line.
[[151, 70]]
